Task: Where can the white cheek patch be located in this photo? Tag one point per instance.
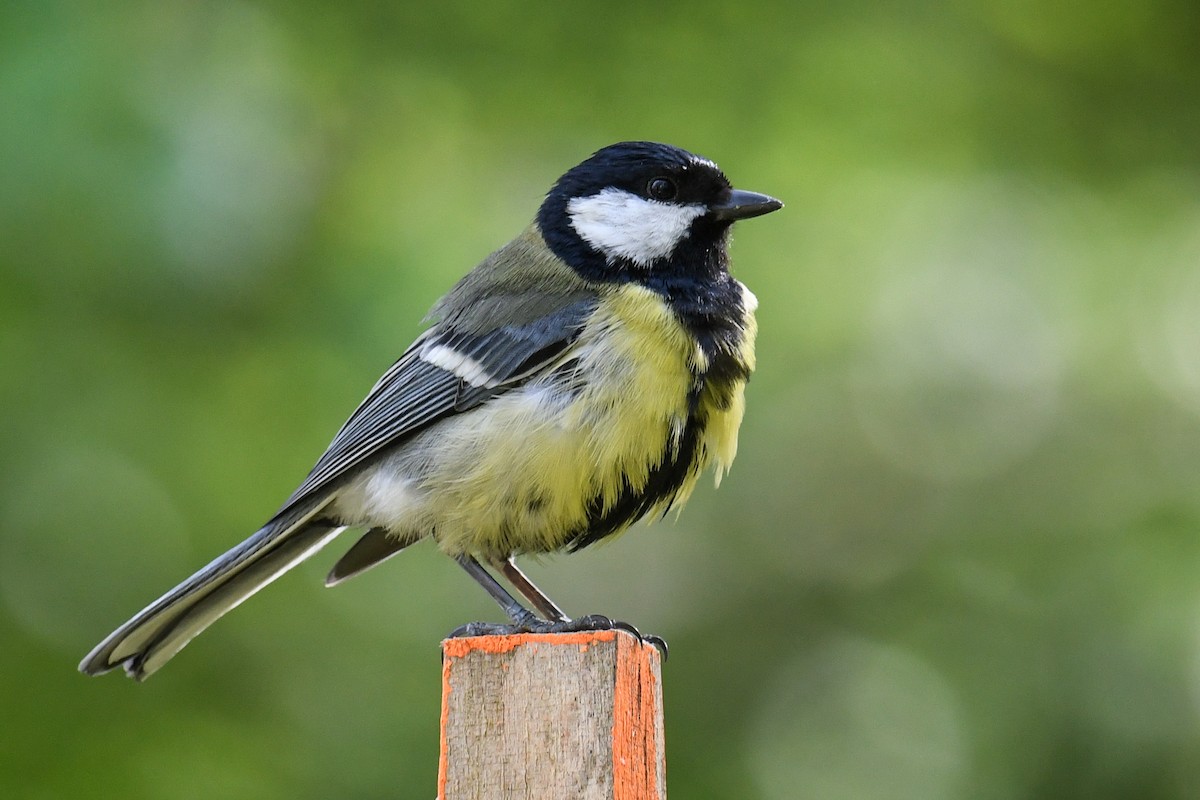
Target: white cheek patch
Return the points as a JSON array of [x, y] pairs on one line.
[[620, 224]]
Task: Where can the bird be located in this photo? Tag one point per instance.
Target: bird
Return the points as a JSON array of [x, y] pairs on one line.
[[581, 377]]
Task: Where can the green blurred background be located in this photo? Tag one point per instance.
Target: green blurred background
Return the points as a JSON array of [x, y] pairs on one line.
[[959, 555]]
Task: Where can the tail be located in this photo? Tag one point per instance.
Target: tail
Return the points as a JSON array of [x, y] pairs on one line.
[[159, 631]]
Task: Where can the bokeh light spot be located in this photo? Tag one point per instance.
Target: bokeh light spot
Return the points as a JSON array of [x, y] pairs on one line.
[[854, 719]]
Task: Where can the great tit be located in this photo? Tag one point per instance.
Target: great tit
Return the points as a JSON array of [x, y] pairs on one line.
[[580, 378]]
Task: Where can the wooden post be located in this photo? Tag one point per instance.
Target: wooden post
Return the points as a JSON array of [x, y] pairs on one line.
[[548, 716]]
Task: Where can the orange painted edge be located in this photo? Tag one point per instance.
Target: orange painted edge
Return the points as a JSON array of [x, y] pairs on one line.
[[634, 734], [495, 645], [444, 756]]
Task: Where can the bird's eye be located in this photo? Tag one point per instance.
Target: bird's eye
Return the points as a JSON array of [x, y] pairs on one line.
[[661, 189]]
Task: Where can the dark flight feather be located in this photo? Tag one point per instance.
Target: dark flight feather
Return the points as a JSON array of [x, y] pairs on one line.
[[414, 393]]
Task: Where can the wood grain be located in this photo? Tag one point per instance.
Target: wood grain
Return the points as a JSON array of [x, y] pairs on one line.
[[548, 716]]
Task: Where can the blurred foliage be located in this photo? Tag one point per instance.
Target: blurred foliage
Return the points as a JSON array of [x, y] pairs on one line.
[[959, 555]]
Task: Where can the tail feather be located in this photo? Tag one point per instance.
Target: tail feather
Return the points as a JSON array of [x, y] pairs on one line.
[[148, 640], [376, 546]]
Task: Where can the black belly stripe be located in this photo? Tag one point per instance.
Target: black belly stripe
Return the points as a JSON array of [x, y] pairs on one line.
[[664, 481]]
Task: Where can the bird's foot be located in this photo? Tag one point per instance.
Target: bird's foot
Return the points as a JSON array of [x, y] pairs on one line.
[[592, 622], [485, 629], [599, 622]]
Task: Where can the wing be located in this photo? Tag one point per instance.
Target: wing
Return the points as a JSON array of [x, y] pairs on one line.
[[446, 371]]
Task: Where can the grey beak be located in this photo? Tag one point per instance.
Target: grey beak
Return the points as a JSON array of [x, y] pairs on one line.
[[743, 205]]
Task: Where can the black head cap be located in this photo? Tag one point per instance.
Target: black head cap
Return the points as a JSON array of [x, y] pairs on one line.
[[644, 210], [631, 165], [643, 176]]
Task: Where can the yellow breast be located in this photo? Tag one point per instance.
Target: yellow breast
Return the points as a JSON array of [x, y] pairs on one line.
[[520, 473]]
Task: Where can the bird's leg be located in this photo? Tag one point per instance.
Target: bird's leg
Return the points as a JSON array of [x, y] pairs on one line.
[[521, 616], [508, 567], [523, 619]]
